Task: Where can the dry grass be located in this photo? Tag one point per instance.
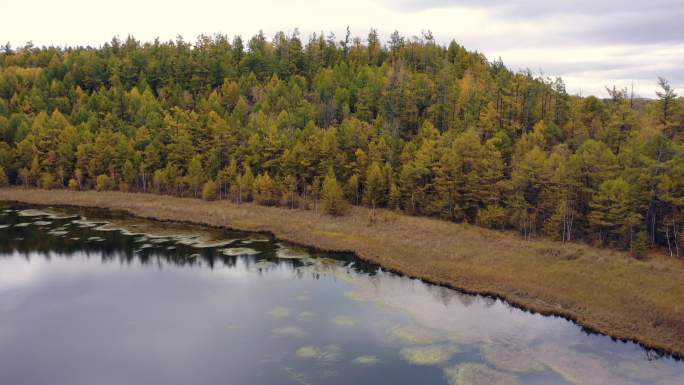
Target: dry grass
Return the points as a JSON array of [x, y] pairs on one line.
[[604, 290]]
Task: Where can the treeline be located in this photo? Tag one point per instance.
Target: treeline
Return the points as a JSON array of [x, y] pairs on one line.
[[409, 125]]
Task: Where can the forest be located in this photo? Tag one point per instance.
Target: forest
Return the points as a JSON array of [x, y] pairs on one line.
[[407, 124]]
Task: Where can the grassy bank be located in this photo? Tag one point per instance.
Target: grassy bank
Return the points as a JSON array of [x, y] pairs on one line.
[[604, 290]]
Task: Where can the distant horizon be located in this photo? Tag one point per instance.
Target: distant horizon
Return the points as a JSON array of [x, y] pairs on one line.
[[590, 44]]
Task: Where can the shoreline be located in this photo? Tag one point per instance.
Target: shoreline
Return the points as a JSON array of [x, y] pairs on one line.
[[601, 290]]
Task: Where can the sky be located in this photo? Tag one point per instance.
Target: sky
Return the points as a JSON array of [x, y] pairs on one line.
[[590, 43]]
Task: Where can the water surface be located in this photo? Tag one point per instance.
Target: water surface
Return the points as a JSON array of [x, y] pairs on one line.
[[94, 297]]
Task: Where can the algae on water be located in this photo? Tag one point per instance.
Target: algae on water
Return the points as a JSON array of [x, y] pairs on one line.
[[428, 355], [366, 360], [342, 320], [289, 331], [478, 374], [325, 354], [281, 312]]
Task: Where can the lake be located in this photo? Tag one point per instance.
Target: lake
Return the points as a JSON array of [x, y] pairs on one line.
[[97, 297]]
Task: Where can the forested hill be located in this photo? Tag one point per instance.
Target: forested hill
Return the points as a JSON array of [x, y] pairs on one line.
[[406, 124]]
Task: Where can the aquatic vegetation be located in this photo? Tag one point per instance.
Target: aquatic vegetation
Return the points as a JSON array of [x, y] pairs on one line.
[[207, 244], [52, 214], [235, 251], [281, 312], [289, 331], [306, 316], [263, 264], [355, 296], [478, 374], [413, 335], [296, 376], [428, 355], [32, 213], [366, 360], [284, 252], [342, 320], [511, 356], [58, 233], [325, 354]]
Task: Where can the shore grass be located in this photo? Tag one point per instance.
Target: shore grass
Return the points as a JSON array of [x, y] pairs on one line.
[[603, 290]]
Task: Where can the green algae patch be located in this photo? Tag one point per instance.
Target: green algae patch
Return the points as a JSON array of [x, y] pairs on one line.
[[354, 296], [511, 357], [324, 354], [236, 251], [263, 264], [284, 252], [428, 355], [342, 320], [478, 374], [412, 335], [366, 360], [281, 312], [289, 331], [306, 316]]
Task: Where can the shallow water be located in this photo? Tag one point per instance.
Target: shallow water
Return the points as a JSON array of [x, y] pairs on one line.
[[93, 297]]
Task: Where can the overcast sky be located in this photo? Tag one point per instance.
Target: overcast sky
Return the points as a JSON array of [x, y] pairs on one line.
[[590, 43]]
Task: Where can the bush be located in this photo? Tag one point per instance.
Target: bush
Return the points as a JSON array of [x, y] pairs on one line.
[[73, 184], [210, 190], [47, 181], [103, 183]]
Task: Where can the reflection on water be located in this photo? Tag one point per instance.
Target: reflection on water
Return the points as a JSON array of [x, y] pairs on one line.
[[92, 297]]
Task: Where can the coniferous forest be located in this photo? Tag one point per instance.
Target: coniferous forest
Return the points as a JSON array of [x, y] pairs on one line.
[[406, 124]]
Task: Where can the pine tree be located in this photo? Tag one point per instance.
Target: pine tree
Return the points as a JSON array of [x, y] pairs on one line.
[[332, 197]]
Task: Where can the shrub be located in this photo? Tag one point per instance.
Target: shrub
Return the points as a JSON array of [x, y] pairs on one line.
[[103, 182], [210, 190]]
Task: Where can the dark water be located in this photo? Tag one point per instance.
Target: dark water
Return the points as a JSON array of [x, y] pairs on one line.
[[101, 298]]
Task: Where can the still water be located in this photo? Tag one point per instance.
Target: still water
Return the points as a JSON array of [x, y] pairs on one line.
[[94, 297]]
